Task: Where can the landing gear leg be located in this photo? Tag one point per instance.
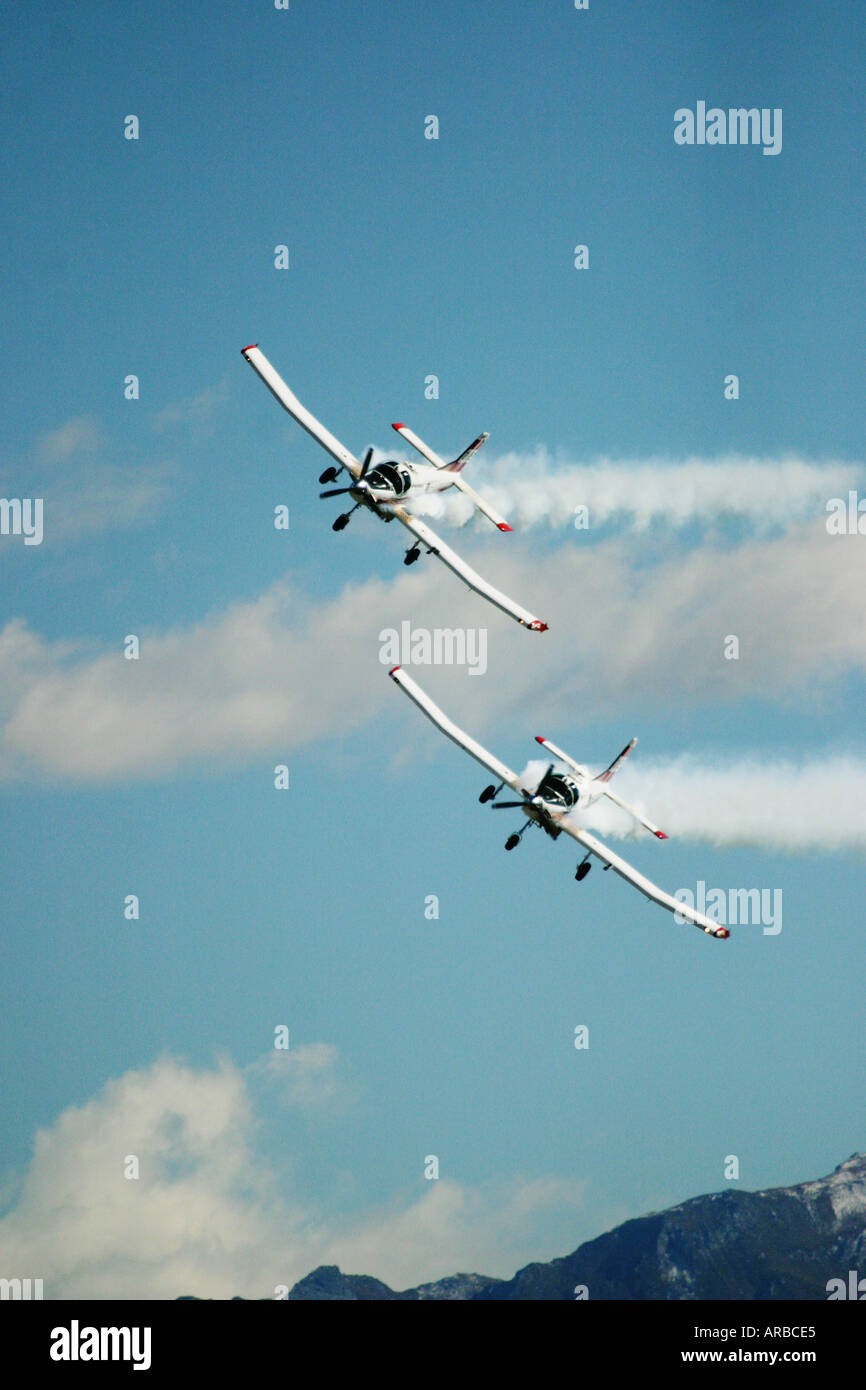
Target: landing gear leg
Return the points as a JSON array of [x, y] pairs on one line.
[[342, 521], [514, 840], [489, 793]]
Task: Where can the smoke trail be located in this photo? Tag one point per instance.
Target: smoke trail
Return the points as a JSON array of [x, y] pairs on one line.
[[782, 805], [533, 489]]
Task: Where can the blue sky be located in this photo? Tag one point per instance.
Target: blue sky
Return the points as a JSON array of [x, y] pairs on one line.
[[412, 257]]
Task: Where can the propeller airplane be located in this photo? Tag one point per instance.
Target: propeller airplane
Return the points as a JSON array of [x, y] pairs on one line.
[[388, 488], [564, 787]]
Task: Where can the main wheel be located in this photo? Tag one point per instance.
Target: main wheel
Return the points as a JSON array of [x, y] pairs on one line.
[[341, 522], [512, 841], [487, 794], [582, 871]]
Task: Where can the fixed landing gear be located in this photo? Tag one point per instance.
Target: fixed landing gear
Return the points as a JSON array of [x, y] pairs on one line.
[[583, 869], [514, 840], [413, 554], [487, 795], [342, 521], [329, 476]]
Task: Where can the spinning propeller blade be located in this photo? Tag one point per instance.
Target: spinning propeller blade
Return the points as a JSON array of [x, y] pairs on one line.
[[544, 778], [341, 491]]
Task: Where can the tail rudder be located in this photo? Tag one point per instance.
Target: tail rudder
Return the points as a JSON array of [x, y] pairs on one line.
[[461, 462], [617, 762]]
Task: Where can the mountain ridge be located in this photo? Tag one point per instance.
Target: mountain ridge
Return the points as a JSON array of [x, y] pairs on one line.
[[776, 1243]]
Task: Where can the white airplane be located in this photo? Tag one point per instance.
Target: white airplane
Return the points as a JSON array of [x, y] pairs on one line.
[[557, 794], [384, 488]]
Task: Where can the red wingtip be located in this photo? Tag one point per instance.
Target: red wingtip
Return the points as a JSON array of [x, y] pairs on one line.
[[398, 426], [660, 834], [537, 626], [539, 739], [503, 526], [722, 933], [247, 348], [393, 669]]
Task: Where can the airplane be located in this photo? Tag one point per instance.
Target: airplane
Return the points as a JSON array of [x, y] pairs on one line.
[[549, 803], [384, 488]]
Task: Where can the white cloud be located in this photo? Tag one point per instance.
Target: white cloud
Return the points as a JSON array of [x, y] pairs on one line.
[[305, 1075], [80, 435], [264, 677], [86, 490], [208, 1216], [197, 412]]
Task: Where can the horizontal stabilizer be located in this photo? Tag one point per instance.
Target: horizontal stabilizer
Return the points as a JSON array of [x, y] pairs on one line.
[[423, 449], [647, 824], [426, 452]]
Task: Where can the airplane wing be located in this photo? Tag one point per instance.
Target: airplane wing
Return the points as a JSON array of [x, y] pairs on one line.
[[289, 401], [434, 713], [469, 576], [644, 885]]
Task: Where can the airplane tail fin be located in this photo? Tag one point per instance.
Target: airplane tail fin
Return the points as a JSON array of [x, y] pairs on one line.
[[617, 762], [461, 462]]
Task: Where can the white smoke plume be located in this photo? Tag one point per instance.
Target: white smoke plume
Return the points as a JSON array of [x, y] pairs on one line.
[[767, 803], [530, 489]]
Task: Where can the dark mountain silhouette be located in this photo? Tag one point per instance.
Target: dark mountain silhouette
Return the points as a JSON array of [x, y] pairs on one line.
[[785, 1243]]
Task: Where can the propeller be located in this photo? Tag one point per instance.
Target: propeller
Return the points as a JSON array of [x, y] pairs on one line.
[[341, 491], [528, 800], [527, 796]]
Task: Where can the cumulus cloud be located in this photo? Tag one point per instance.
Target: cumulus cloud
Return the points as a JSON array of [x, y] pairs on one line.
[[208, 1215], [276, 673], [270, 675]]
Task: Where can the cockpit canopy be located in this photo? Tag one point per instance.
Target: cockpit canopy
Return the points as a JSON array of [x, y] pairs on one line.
[[558, 789], [389, 477]]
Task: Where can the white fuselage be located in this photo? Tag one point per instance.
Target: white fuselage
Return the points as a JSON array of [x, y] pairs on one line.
[[558, 793], [390, 481]]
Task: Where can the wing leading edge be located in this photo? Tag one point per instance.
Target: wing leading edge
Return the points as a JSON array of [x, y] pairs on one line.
[[289, 401], [469, 576], [641, 882], [469, 745]]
